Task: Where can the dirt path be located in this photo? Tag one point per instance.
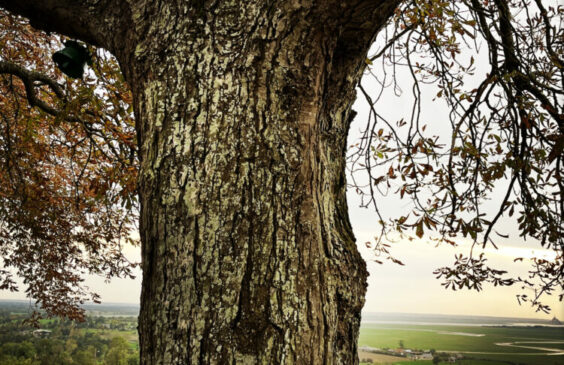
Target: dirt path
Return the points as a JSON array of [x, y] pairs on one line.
[[379, 358], [549, 350]]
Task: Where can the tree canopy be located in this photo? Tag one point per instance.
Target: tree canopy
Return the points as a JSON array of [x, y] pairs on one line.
[[69, 163], [69, 167]]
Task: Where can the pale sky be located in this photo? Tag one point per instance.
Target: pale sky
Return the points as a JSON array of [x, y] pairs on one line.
[[413, 288]]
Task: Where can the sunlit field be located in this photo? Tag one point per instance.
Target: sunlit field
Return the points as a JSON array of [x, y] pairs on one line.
[[468, 344]]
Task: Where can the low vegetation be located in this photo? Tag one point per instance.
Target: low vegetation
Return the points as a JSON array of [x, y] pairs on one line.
[[108, 336], [96, 341]]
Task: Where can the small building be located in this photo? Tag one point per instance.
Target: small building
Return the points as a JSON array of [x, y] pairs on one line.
[[369, 349], [399, 352], [41, 333], [425, 356]]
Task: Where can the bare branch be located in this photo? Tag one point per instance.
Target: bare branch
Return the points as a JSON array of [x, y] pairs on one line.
[[392, 42], [28, 78]]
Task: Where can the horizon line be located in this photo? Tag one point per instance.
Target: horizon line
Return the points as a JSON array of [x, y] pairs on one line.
[[364, 312]]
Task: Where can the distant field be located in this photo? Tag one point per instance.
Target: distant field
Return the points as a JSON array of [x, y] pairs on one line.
[[472, 341], [131, 336], [109, 334]]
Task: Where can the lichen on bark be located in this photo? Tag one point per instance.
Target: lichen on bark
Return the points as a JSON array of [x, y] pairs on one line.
[[248, 255]]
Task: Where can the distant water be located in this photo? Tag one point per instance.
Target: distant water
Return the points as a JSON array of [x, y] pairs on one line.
[[452, 320], [112, 309], [105, 309]]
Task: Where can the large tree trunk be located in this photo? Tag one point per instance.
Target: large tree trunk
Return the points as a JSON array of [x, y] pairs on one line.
[[243, 109], [248, 254]]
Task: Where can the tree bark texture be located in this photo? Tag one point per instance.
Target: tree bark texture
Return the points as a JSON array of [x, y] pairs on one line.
[[248, 254], [243, 109]]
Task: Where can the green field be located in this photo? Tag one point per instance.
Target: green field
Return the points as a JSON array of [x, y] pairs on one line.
[[130, 336], [477, 343]]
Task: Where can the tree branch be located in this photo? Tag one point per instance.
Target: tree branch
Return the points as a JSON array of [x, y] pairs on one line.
[[99, 22], [28, 78], [392, 42]]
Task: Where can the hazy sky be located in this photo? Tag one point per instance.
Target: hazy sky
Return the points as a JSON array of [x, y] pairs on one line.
[[392, 288], [413, 287]]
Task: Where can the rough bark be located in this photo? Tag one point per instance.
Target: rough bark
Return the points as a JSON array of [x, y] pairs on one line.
[[248, 255], [243, 110]]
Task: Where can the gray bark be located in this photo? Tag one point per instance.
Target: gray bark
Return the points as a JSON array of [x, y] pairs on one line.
[[243, 110]]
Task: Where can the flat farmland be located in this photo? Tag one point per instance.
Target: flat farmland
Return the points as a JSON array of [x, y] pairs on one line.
[[517, 345]]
